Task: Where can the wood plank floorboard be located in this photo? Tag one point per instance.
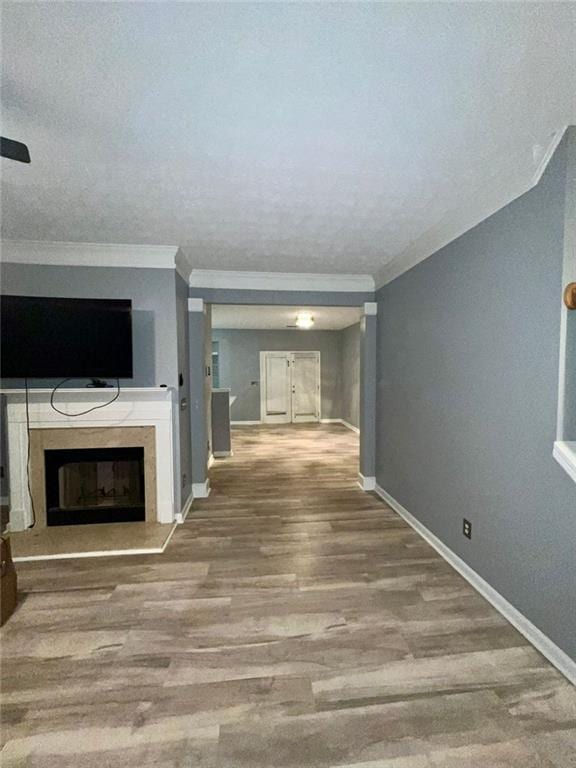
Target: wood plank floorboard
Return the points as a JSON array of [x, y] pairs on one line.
[[293, 622]]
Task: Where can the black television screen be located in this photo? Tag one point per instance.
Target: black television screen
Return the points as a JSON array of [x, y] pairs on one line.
[[65, 338]]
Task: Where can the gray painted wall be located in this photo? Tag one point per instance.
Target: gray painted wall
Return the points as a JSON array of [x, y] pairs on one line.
[[570, 401], [197, 412], [350, 390], [208, 380], [468, 352], [567, 404], [185, 454], [153, 313], [368, 346], [240, 365]]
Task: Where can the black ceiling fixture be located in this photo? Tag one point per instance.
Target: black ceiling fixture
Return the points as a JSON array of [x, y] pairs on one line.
[[14, 150]]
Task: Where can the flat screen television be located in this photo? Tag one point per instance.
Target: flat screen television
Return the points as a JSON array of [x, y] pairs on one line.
[[65, 338]]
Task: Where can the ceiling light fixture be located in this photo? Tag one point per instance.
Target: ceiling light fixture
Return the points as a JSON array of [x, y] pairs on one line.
[[304, 320]]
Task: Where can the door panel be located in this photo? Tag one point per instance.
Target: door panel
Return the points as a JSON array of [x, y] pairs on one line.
[[305, 386], [277, 395]]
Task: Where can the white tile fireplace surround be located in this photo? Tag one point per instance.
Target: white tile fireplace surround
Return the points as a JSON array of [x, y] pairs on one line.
[[150, 406]]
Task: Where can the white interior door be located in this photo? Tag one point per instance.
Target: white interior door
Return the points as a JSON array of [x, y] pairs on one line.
[[275, 387], [289, 387], [305, 386]]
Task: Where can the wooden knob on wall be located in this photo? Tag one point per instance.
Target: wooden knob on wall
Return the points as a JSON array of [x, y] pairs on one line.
[[570, 296]]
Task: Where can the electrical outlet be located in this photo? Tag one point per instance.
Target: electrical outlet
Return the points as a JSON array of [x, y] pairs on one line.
[[467, 528]]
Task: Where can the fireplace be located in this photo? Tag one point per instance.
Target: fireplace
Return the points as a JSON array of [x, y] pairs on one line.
[[94, 485], [140, 418]]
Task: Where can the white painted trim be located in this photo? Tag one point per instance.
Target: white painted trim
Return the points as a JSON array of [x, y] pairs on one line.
[[201, 490], [183, 266], [101, 553], [539, 640], [280, 281], [366, 483], [565, 454], [195, 305], [503, 186], [181, 516], [370, 308], [89, 254], [223, 454], [210, 460], [341, 421], [547, 155], [244, 423]]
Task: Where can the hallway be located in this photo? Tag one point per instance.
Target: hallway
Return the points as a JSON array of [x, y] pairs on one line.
[[293, 622]]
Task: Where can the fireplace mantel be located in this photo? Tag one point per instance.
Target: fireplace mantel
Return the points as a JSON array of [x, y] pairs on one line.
[[138, 406]]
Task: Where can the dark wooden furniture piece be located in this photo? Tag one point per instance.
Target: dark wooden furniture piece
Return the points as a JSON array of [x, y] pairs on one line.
[[8, 582]]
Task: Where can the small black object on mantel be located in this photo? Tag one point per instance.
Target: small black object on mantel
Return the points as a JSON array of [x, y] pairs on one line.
[[98, 383], [14, 150], [164, 386]]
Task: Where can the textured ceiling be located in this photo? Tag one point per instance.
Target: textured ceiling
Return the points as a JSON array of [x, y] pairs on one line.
[[313, 137], [268, 317]]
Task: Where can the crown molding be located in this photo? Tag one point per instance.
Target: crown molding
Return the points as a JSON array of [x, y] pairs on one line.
[[505, 185], [183, 266], [280, 281], [89, 254]]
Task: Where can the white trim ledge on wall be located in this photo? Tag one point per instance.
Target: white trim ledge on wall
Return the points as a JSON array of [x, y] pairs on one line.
[[565, 454], [535, 636], [89, 254], [280, 281], [341, 421]]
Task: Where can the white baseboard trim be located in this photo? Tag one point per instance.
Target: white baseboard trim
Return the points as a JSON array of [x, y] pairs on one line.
[[201, 490], [210, 460], [223, 454], [341, 421], [181, 516], [366, 483], [244, 423], [535, 636], [101, 553], [565, 454]]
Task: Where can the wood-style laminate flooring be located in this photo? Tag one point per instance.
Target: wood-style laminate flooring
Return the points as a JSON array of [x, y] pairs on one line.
[[293, 622]]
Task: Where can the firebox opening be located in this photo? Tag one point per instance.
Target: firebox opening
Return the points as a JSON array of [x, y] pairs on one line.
[[94, 485]]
